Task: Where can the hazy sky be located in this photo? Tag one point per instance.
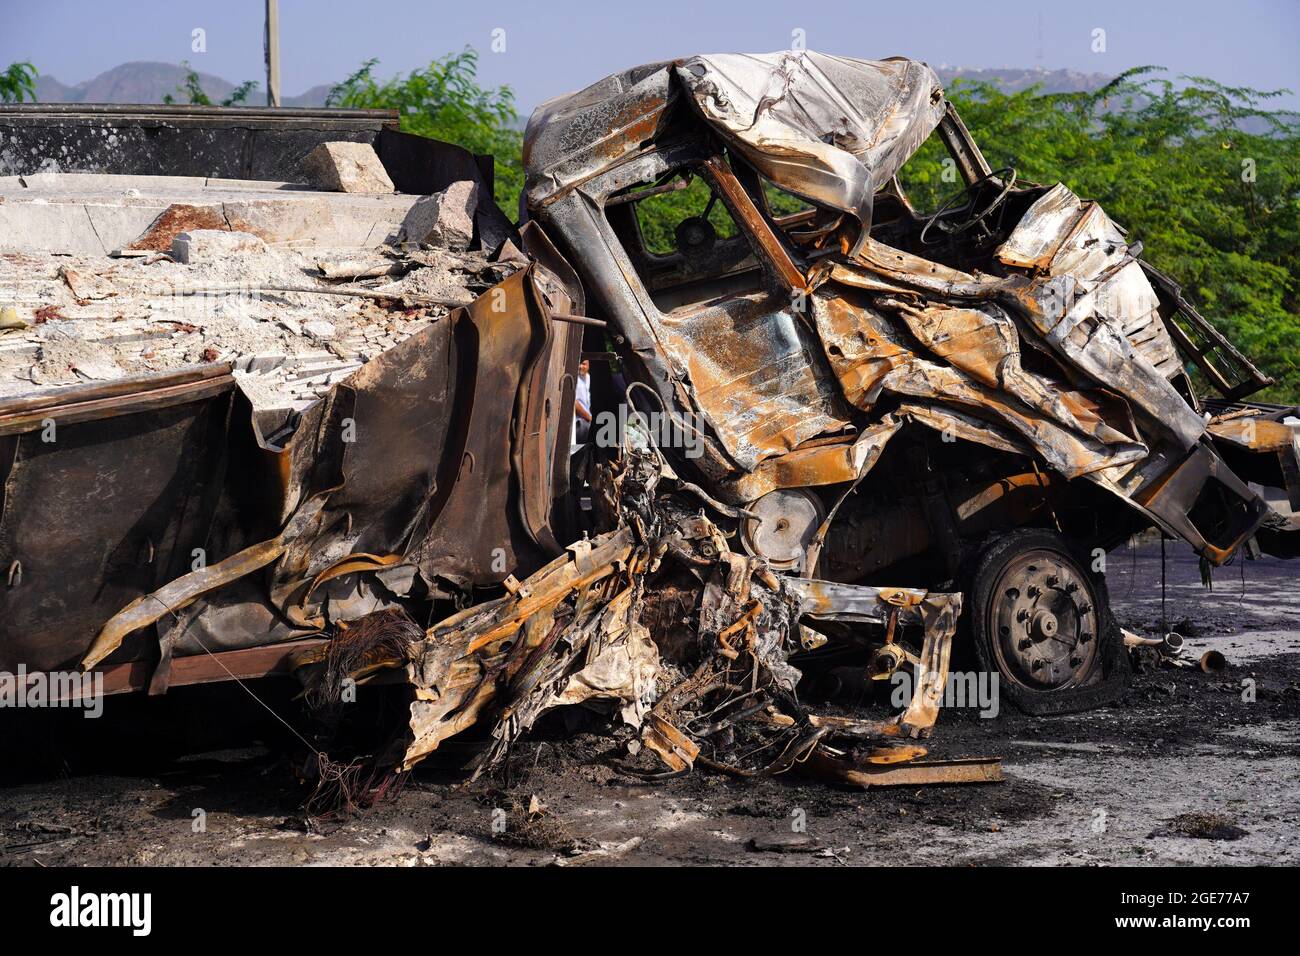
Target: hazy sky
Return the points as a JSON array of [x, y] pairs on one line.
[[553, 47]]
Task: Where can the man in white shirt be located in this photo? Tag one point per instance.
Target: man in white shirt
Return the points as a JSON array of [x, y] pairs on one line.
[[582, 405]]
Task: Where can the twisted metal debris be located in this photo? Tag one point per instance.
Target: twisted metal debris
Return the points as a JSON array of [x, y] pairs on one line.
[[712, 687]]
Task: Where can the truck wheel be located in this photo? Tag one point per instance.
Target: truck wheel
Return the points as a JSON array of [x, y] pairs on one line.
[[1041, 621]]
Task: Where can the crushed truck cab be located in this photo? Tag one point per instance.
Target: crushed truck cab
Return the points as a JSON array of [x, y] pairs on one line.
[[888, 393]]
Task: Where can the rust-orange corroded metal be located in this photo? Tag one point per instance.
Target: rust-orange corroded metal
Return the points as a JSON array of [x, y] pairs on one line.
[[175, 219], [899, 333], [787, 272], [1257, 434], [820, 356], [845, 769]]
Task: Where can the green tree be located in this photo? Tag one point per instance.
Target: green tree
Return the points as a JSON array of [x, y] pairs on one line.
[[17, 83], [240, 94], [193, 90], [445, 101]]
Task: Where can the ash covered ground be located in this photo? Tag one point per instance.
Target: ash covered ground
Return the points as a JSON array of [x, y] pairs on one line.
[[1181, 769]]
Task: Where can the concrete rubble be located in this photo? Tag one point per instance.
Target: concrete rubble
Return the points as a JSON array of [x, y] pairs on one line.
[[189, 247], [111, 276], [348, 168], [446, 219]]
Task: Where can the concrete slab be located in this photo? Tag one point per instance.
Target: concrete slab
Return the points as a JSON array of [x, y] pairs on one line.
[[93, 213]]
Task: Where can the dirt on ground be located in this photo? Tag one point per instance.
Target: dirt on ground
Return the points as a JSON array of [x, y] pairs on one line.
[[1185, 767]]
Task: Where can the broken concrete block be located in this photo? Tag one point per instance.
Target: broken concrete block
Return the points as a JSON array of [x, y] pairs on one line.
[[283, 221], [319, 328], [209, 244], [444, 219], [347, 167]]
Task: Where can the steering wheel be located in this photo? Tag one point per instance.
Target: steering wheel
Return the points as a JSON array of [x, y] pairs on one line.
[[1006, 176], [696, 233]]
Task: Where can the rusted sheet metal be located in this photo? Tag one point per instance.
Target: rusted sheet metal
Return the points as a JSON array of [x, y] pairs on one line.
[[749, 375], [786, 272], [1038, 332], [936, 613], [469, 659], [1060, 350], [1088, 334], [777, 108], [1256, 434], [815, 464], [245, 664], [1171, 498], [616, 117], [177, 594], [842, 768], [124, 396], [1262, 446], [868, 348], [432, 469], [814, 356]]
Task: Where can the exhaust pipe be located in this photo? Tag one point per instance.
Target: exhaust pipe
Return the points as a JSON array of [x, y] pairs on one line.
[[1212, 662]]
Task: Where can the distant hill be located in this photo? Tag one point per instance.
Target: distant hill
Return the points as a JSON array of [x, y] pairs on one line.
[[1011, 80], [145, 82]]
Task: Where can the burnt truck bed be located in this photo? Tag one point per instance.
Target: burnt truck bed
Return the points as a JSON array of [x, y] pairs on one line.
[[160, 416]]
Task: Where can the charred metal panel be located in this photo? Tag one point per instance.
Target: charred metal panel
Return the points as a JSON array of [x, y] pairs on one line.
[[105, 510], [225, 142]]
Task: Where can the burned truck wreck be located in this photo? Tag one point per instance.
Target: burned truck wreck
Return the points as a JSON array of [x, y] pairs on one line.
[[852, 428]]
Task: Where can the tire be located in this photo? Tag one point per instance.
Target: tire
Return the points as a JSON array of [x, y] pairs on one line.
[[1040, 619]]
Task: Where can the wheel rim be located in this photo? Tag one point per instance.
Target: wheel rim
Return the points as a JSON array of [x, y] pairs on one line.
[[1043, 620]]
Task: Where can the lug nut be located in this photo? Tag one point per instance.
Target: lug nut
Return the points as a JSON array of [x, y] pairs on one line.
[[1034, 590], [1053, 580], [1025, 643]]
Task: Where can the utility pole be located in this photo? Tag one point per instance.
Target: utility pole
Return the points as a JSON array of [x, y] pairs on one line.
[[272, 48]]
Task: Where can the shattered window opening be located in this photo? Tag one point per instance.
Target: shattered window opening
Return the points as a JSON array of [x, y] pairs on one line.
[[694, 200], [704, 258]]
